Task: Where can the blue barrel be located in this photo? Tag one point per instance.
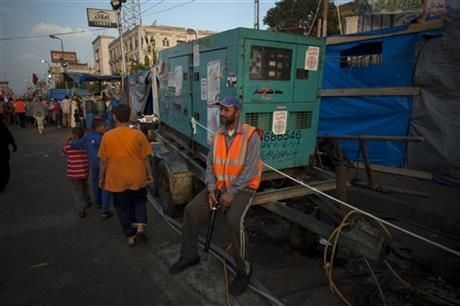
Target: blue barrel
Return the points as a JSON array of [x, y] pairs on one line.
[[89, 120]]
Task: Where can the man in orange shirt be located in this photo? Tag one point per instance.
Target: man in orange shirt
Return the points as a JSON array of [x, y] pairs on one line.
[[125, 171], [20, 110]]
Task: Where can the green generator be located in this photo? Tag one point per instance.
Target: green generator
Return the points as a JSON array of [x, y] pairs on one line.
[[276, 75]]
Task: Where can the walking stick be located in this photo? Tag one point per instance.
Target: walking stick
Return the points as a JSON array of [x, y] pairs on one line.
[[212, 222]]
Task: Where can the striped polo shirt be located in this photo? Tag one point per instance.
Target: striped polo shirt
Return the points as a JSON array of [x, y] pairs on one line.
[[77, 163]]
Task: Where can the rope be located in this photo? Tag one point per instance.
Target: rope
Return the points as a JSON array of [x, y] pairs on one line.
[[376, 280], [431, 242]]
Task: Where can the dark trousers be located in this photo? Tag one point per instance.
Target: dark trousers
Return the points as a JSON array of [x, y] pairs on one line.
[[80, 191], [101, 196], [131, 209], [197, 212], [22, 119], [4, 174]]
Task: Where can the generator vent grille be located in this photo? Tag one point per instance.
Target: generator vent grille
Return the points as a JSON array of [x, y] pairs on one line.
[[260, 120], [296, 120], [299, 120]]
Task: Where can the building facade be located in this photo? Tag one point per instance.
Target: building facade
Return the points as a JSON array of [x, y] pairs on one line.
[[101, 54], [142, 43]]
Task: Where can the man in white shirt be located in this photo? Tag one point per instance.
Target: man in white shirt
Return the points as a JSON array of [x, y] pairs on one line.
[[66, 112]]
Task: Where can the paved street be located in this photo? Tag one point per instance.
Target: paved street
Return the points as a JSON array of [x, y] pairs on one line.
[[51, 257]]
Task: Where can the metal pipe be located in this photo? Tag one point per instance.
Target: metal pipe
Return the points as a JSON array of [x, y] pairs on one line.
[[123, 63]]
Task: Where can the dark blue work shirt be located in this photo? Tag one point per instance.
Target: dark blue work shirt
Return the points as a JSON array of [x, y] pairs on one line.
[[90, 142]]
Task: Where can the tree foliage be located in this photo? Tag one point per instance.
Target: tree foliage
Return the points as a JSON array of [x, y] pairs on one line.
[[297, 17], [135, 66]]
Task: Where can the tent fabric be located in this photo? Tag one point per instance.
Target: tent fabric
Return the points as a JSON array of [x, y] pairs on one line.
[[59, 94], [80, 78], [371, 115], [436, 112], [368, 116], [396, 69], [139, 91]]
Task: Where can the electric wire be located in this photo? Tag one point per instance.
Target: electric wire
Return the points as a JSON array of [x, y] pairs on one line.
[[47, 35], [394, 226], [170, 8]]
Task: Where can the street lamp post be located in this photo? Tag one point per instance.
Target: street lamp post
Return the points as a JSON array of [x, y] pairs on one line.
[[44, 61], [62, 56], [117, 5], [56, 37]]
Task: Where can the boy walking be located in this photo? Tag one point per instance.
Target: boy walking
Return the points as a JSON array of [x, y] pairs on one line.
[[91, 143], [39, 119], [125, 171], [77, 172]]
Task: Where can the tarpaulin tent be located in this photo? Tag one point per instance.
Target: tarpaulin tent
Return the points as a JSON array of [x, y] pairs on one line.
[[436, 111], [59, 94], [139, 92], [81, 78], [387, 61]]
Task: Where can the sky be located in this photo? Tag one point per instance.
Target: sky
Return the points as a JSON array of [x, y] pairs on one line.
[[19, 58]]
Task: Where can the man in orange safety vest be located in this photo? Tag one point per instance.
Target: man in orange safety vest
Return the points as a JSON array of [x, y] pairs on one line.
[[233, 175]]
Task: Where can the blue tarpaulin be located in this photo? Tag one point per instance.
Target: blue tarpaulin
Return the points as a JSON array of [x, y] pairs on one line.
[[368, 116], [59, 94], [383, 62]]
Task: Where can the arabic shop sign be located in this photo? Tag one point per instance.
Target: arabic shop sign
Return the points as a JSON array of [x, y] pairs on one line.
[[102, 18]]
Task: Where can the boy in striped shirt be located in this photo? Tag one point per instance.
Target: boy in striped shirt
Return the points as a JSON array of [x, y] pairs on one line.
[[77, 172]]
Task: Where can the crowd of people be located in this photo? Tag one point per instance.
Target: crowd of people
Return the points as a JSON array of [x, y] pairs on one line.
[[68, 112], [118, 161]]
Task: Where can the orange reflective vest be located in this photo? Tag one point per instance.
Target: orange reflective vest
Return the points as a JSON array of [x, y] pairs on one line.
[[228, 165]]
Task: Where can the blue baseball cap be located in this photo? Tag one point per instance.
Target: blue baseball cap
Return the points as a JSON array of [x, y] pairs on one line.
[[230, 101]]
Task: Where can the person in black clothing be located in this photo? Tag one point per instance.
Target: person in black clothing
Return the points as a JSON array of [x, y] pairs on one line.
[[6, 139]]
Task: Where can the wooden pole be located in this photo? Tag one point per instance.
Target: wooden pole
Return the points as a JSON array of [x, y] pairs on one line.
[[325, 11], [339, 18], [318, 28], [424, 10]]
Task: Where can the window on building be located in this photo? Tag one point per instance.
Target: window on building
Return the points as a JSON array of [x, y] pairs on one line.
[[135, 44], [362, 55], [165, 42], [180, 42]]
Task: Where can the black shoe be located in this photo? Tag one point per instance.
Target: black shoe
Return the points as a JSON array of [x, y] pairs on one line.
[[141, 236], [107, 215], [82, 213], [182, 265], [240, 283]]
